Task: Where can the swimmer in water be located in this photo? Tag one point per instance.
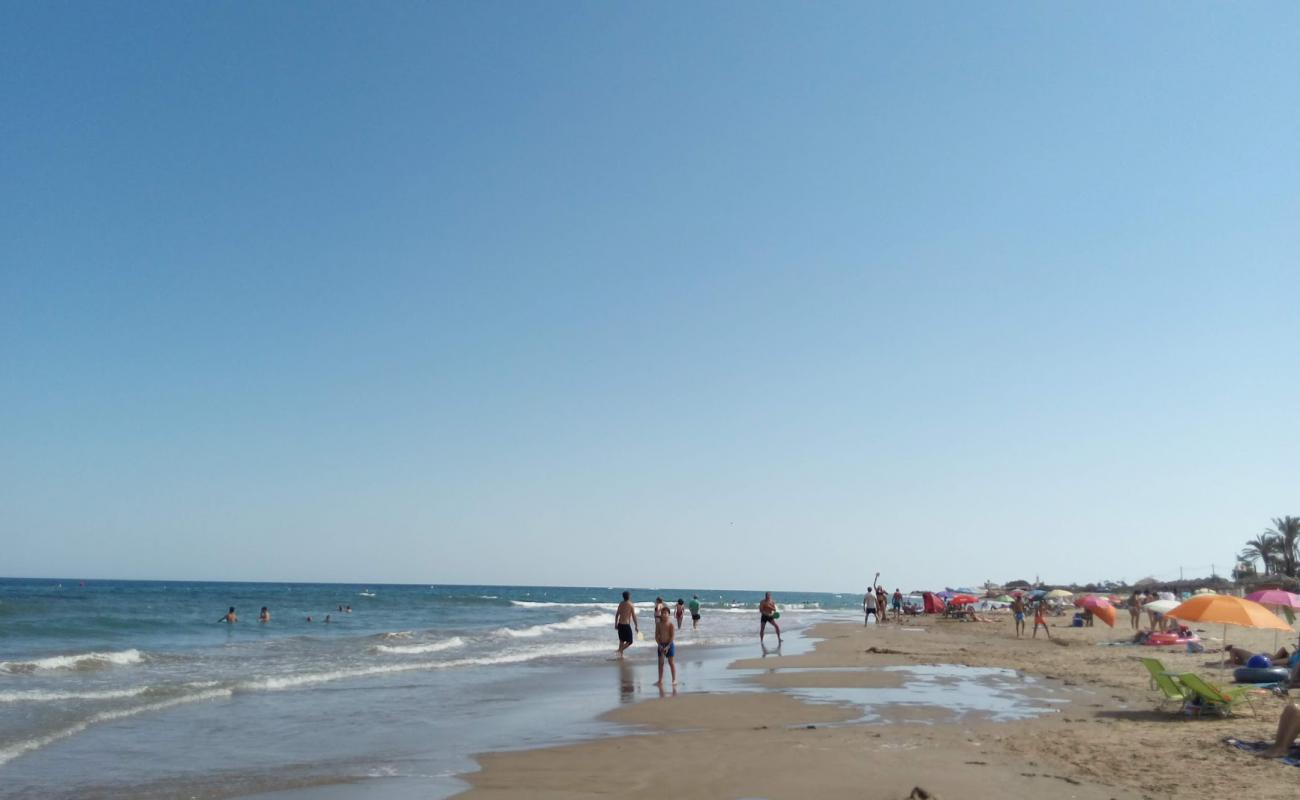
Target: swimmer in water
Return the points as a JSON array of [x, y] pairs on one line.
[[229, 617], [265, 616]]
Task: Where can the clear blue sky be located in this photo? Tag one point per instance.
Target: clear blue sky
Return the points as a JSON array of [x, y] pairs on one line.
[[715, 294]]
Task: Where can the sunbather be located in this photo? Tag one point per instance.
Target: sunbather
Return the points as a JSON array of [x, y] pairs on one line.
[[1288, 728], [1240, 655]]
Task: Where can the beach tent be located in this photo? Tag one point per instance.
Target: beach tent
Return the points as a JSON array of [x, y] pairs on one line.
[[933, 603]]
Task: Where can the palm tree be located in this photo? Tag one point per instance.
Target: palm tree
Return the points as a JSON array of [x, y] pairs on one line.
[[1286, 531], [1263, 547]]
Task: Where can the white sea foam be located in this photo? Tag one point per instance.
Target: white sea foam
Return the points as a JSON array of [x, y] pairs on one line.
[[574, 623], [414, 649], [16, 749], [42, 696], [75, 661]]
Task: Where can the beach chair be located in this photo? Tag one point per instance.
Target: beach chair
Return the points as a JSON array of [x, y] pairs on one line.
[[1163, 681], [1205, 696]]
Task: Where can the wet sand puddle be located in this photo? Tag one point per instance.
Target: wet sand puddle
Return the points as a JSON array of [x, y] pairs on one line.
[[926, 693]]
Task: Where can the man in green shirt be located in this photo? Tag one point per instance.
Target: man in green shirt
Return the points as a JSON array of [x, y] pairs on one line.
[[694, 606]]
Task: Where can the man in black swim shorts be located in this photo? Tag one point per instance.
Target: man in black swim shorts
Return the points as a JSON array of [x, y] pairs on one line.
[[624, 621], [767, 616]]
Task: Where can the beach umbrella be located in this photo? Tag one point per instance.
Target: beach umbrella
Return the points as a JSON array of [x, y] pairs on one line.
[[1226, 610], [1161, 606], [1059, 594], [1006, 598], [1037, 593], [962, 599], [1277, 600], [1204, 590], [1275, 597], [946, 594], [1100, 608]]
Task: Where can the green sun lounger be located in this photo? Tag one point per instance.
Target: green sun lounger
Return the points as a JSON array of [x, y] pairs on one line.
[[1205, 696], [1171, 692]]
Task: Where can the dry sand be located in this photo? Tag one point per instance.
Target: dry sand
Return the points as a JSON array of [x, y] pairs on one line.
[[1108, 742]]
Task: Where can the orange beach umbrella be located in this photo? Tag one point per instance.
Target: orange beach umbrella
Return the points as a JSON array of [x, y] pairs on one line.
[[1100, 608], [1225, 609], [1228, 610]]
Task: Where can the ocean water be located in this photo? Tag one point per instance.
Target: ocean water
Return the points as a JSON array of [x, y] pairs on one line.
[[134, 689]]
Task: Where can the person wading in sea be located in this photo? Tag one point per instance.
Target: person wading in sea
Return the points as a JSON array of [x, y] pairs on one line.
[[624, 622], [767, 616]]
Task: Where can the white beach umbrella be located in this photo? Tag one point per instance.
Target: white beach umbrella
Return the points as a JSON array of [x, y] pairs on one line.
[[1161, 606]]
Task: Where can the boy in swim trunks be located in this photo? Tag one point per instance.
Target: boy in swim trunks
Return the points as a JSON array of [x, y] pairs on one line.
[[1040, 618], [624, 621], [1018, 610], [665, 634]]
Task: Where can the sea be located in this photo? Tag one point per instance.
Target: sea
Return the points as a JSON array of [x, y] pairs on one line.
[[135, 689]]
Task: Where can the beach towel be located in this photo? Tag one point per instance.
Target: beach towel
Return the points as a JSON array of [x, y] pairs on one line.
[[1292, 758]]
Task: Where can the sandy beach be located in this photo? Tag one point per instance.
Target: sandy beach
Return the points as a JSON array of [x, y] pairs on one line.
[[1108, 741]]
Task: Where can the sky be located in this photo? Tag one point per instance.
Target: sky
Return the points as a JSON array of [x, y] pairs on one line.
[[717, 295]]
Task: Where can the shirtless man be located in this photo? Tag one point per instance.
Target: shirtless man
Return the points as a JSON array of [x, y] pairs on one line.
[[1018, 611], [665, 636], [229, 617], [624, 622], [1040, 618], [766, 610], [897, 603]]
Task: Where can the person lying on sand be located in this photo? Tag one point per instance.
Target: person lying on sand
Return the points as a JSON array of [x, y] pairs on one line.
[[1288, 728], [1240, 655]]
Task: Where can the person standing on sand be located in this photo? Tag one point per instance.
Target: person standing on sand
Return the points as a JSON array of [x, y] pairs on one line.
[[1134, 610], [898, 604], [868, 606], [881, 603], [767, 616], [665, 638], [1040, 618], [694, 606], [624, 622], [1018, 612]]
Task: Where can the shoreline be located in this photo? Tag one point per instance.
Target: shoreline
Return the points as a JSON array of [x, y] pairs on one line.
[[770, 741]]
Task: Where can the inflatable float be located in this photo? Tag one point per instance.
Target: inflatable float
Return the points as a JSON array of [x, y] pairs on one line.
[[1261, 675], [1165, 639]]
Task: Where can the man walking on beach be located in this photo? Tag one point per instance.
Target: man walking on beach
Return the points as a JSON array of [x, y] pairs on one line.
[[665, 639], [694, 606], [624, 622], [1018, 611], [767, 616]]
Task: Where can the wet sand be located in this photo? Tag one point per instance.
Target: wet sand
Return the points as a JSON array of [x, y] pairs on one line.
[[1108, 741]]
